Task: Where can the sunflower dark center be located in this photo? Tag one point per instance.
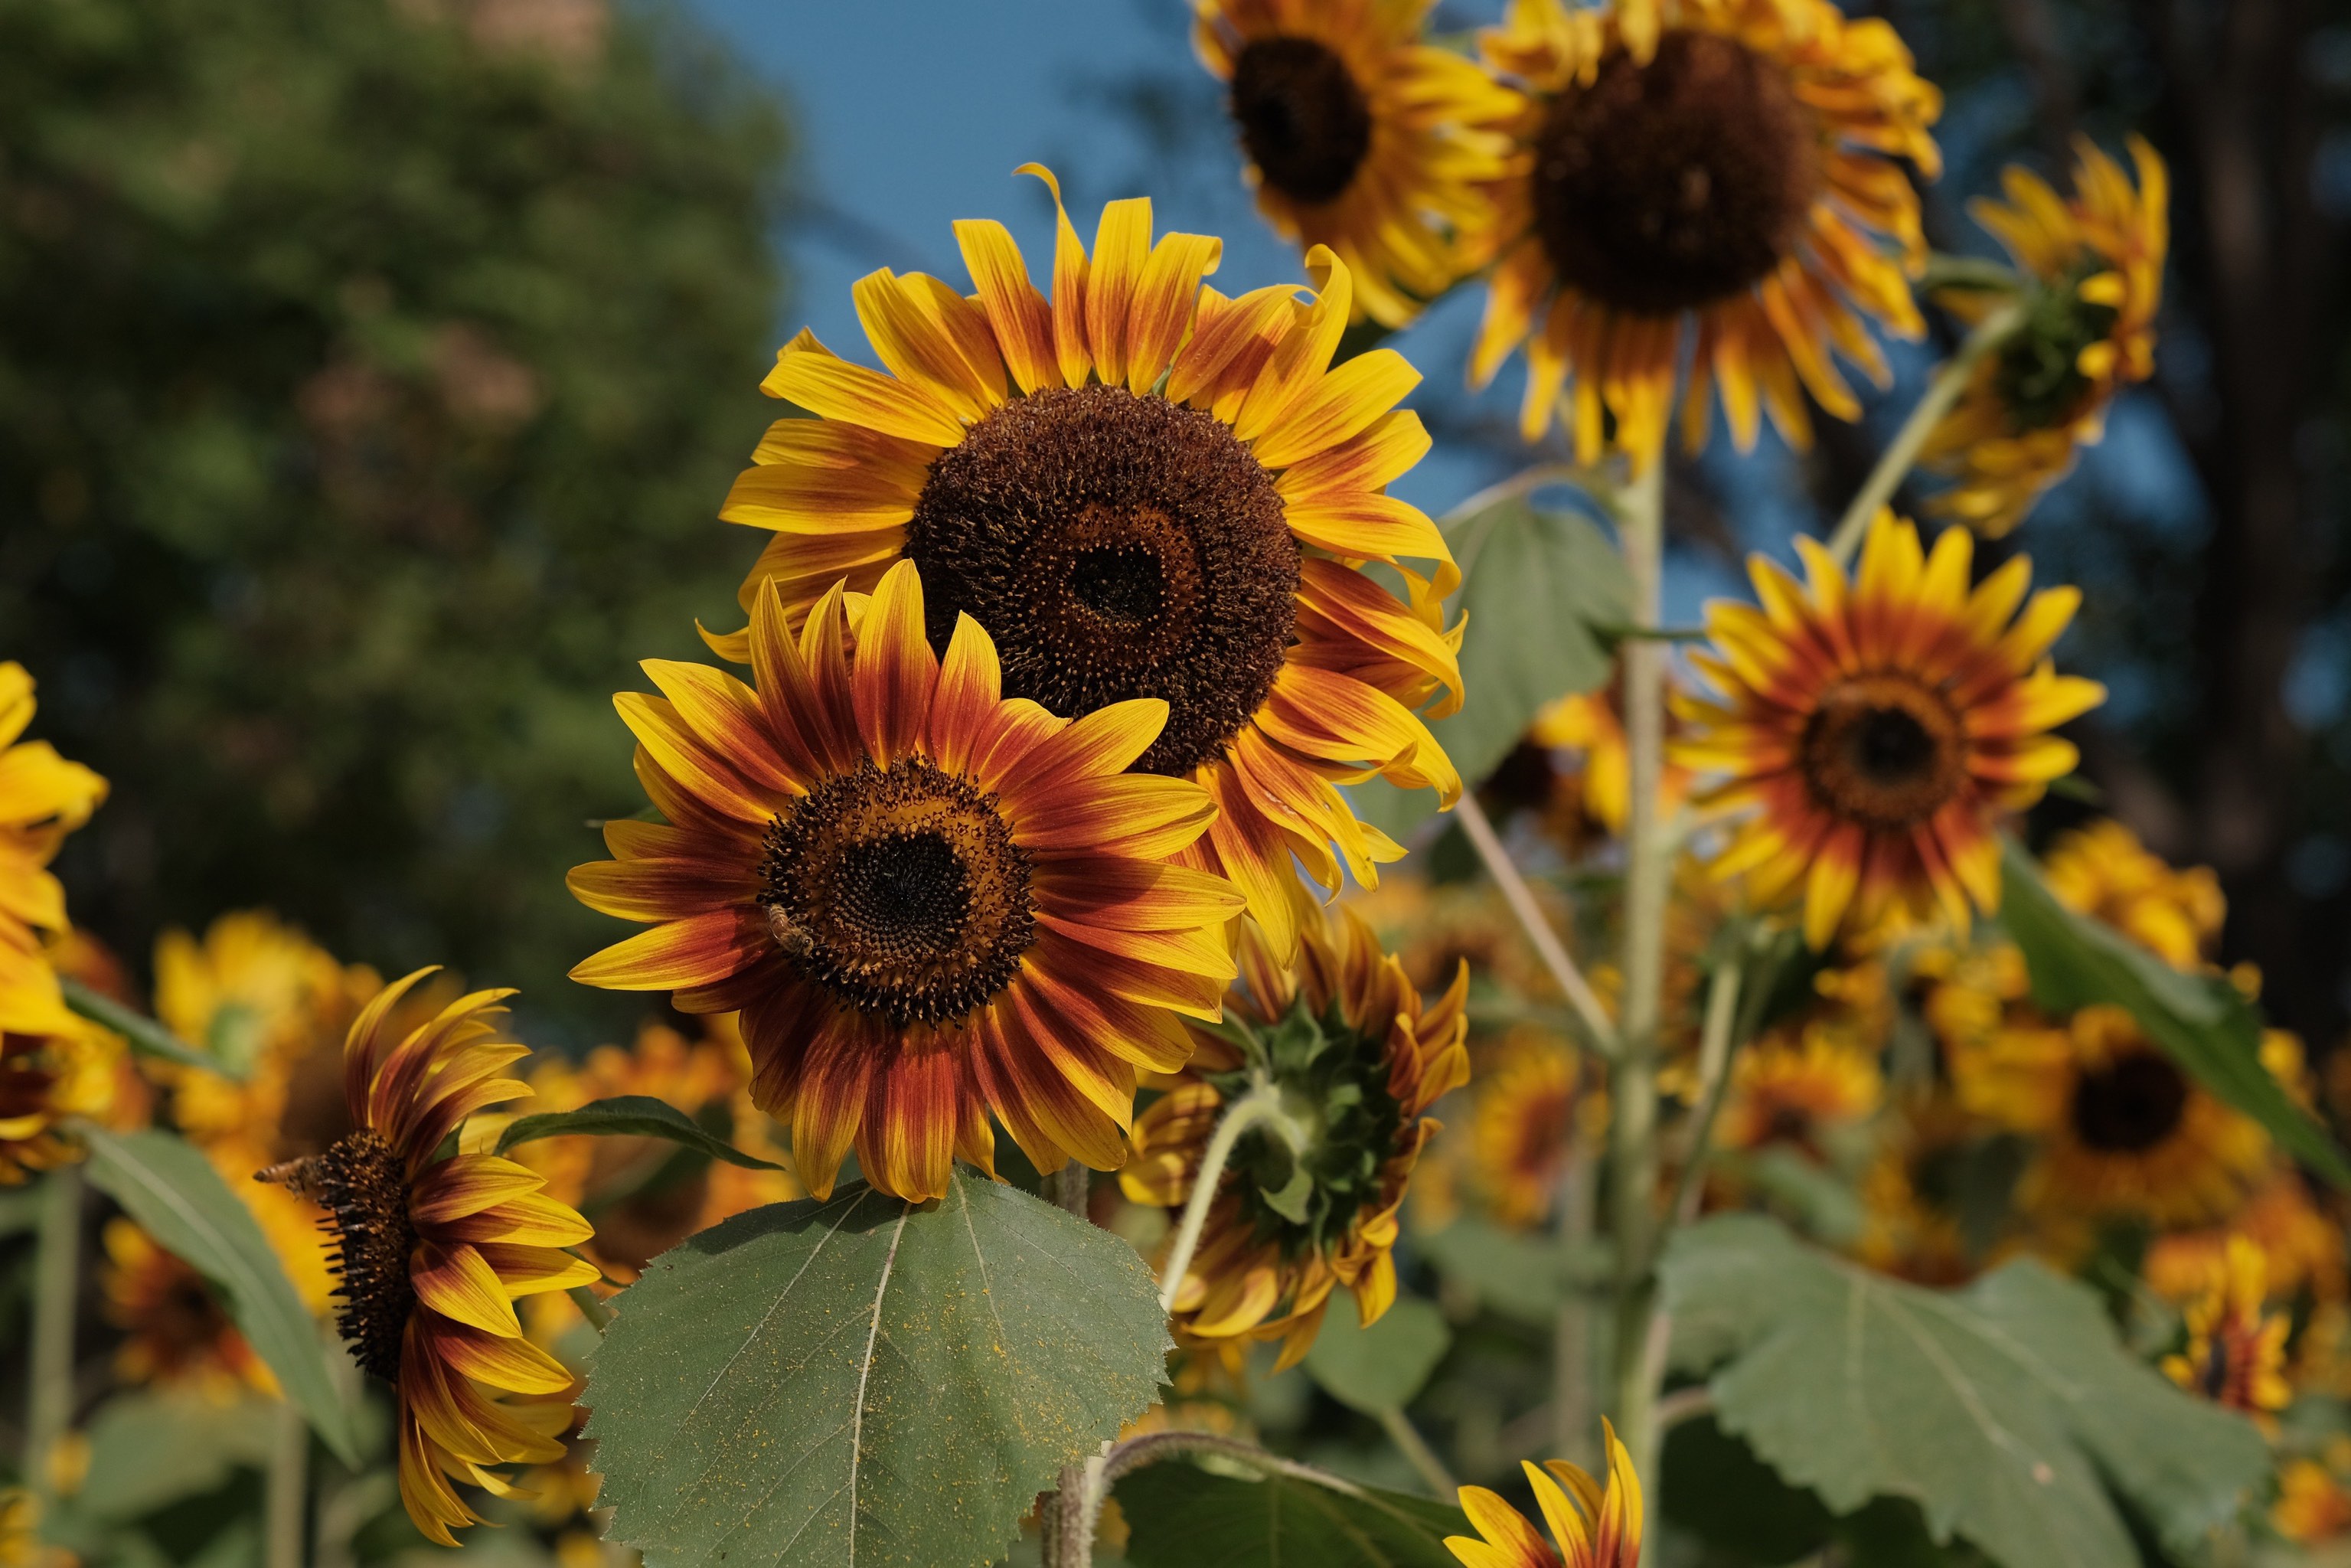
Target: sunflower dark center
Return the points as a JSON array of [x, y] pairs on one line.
[[900, 891], [1663, 187], [2131, 1105], [362, 1184], [1304, 122], [1884, 752], [26, 1077], [1115, 546]]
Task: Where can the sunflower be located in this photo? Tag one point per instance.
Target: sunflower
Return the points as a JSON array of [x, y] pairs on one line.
[[2123, 1131], [2103, 871], [1343, 1032], [1873, 731], [1591, 725], [646, 1195], [929, 901], [2234, 1355], [2312, 1505], [1363, 137], [271, 1005], [1594, 1527], [75, 1072], [1434, 929], [433, 1252], [1727, 162], [2095, 270], [42, 799], [1801, 1092], [20, 1533], [1525, 1110], [1910, 1195], [176, 1330], [1141, 490], [2302, 1246]]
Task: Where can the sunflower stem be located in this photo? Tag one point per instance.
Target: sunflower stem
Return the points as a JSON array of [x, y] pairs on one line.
[[1895, 463], [1259, 1108], [57, 1287], [287, 1489], [1415, 1448], [592, 1307], [1546, 943], [1633, 1143], [1073, 1186], [1714, 1049], [1571, 1335]]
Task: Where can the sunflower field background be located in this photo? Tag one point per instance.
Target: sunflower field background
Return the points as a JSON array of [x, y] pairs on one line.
[[1507, 782]]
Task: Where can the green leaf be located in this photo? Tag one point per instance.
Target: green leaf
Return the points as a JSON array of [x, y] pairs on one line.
[[152, 1447], [867, 1381], [2005, 1411], [146, 1037], [1381, 1367], [2201, 1021], [629, 1116], [1181, 1516], [172, 1191], [1519, 1274], [1537, 587]]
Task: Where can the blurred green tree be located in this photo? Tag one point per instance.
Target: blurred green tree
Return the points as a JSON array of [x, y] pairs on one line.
[[370, 375]]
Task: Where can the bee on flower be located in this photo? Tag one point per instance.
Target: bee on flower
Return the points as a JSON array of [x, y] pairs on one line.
[[1141, 490]]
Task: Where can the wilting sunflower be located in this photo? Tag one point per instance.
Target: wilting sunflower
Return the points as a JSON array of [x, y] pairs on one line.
[[2103, 871], [1141, 490], [1594, 1527], [2234, 1355], [646, 1195], [1345, 1032], [2123, 1131], [1525, 1109], [930, 901], [177, 1331], [2095, 279], [1363, 137], [42, 799], [433, 1253], [1739, 174], [1873, 731]]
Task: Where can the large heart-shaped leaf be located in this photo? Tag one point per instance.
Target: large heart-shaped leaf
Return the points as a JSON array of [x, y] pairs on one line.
[[2006, 1411], [1537, 588], [2201, 1021], [1181, 1516], [865, 1381], [1379, 1368], [172, 1191]]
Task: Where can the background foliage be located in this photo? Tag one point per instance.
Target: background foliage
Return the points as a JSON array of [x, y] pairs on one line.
[[369, 377]]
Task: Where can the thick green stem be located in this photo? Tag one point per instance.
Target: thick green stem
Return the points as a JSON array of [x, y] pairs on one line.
[[57, 1285], [1714, 1050], [1415, 1448], [1632, 1101], [1571, 1426], [288, 1495], [1065, 1530], [1262, 1108], [1600, 1034], [1895, 463], [1072, 1187]]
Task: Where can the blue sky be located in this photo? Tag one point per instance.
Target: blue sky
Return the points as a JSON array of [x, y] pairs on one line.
[[912, 113]]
